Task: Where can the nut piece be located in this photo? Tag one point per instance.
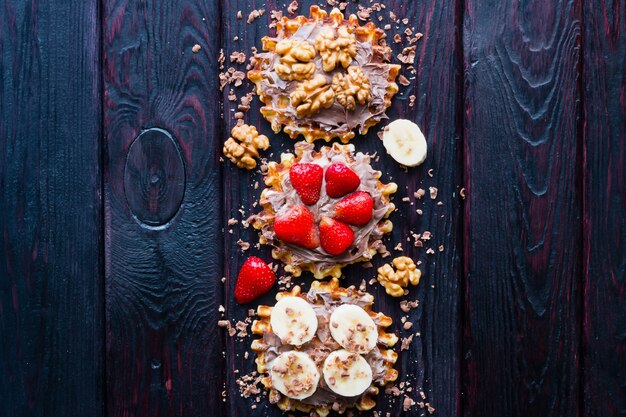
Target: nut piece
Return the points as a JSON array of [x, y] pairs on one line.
[[312, 95], [295, 57], [333, 51], [396, 281], [244, 146], [351, 87]]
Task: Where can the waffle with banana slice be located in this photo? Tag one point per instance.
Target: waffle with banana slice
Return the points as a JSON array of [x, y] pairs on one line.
[[324, 350], [324, 76], [323, 210]]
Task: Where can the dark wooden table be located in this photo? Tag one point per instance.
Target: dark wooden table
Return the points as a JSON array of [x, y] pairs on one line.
[[113, 248]]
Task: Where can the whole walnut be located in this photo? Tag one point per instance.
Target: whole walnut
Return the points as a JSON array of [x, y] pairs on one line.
[[295, 60], [312, 95], [351, 88], [395, 281], [336, 50], [243, 147]]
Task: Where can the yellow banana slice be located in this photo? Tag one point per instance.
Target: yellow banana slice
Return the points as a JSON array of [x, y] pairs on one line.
[[405, 142], [293, 320]]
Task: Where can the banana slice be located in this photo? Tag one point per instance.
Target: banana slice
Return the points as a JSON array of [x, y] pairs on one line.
[[353, 328], [405, 142], [293, 320], [295, 375], [348, 374]]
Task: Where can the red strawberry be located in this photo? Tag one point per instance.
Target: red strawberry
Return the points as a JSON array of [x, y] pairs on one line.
[[307, 180], [340, 180], [297, 226], [355, 209], [255, 279], [335, 236]]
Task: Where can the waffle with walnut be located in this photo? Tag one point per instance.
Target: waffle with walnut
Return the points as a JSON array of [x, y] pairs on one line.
[[324, 76]]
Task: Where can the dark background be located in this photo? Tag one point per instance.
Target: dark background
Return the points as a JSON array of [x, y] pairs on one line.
[[111, 257]]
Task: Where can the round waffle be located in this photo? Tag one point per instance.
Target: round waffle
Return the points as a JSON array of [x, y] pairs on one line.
[[280, 195], [325, 297], [361, 51]]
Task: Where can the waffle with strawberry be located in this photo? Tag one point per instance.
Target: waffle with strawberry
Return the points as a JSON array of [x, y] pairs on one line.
[[324, 210]]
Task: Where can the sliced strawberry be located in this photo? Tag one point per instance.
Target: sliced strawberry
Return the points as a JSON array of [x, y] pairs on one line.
[[255, 279], [307, 180], [297, 226], [340, 180], [335, 236], [356, 209]]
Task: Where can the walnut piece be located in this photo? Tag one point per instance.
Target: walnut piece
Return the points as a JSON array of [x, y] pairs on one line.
[[243, 147], [312, 95], [295, 57], [395, 281], [351, 88], [336, 51]]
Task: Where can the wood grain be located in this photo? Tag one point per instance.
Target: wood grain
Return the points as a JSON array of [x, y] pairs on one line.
[[604, 78], [522, 221], [432, 363], [163, 284], [51, 289]]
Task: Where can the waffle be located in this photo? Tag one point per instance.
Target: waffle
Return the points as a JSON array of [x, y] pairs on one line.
[[328, 123], [385, 343], [320, 263]]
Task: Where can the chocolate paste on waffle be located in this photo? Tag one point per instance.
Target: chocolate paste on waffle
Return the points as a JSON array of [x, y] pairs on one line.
[[323, 344], [335, 119], [365, 237]]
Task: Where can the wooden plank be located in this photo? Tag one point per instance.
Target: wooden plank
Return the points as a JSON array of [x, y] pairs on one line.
[[51, 297], [433, 361], [162, 213], [522, 219], [605, 205]]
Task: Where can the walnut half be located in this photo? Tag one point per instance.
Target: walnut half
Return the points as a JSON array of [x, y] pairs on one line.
[[243, 147], [336, 51], [295, 60], [395, 281], [312, 95], [351, 88]]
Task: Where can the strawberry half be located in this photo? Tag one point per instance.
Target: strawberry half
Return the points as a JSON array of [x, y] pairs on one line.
[[255, 279], [307, 181], [356, 209], [340, 180], [335, 236], [297, 226]]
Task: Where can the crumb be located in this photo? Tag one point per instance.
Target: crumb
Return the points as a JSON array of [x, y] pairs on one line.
[[398, 247], [196, 48], [440, 248], [406, 342], [433, 192], [407, 403], [412, 100], [244, 245], [255, 14], [407, 306], [239, 15], [430, 251], [431, 172], [403, 80], [462, 193], [293, 7], [407, 325], [238, 57], [419, 193]]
